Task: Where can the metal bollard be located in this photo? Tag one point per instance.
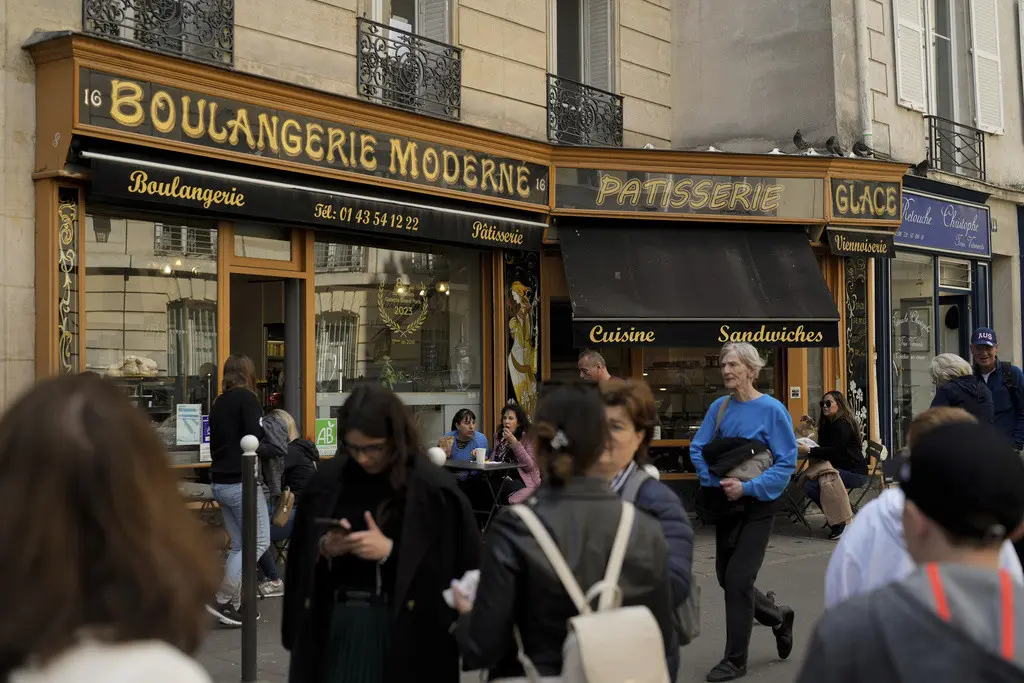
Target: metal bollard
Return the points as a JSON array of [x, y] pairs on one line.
[[249, 445]]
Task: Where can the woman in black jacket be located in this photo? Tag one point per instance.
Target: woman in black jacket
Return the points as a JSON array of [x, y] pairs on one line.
[[957, 386], [363, 595], [839, 442], [518, 586]]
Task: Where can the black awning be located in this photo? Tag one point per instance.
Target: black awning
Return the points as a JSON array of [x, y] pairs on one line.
[[701, 286]]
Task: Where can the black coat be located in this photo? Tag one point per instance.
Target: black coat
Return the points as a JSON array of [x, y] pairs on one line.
[[970, 393], [518, 586], [300, 466], [440, 542], [840, 445]]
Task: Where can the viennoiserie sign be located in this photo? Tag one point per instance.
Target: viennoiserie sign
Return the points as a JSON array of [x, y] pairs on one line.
[[869, 244], [122, 103], [202, 194]]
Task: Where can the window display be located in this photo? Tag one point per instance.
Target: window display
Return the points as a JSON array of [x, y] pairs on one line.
[[410, 320], [151, 318]]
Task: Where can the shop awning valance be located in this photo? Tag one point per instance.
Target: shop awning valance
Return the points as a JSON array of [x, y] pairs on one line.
[[681, 286]]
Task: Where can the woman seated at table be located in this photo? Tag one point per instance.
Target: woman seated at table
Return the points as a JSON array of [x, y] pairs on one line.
[[463, 439], [839, 442], [512, 445]]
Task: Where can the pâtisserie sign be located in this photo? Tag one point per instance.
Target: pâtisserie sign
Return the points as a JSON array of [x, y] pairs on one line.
[[674, 193], [158, 111]]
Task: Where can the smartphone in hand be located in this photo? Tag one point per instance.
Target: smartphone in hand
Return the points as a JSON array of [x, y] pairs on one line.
[[331, 524]]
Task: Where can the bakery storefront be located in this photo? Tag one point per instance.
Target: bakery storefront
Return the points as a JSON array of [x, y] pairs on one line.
[[660, 262], [187, 213]]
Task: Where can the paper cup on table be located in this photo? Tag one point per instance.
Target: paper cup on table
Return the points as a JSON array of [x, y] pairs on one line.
[[480, 455]]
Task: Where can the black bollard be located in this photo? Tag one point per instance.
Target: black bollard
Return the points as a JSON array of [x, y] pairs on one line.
[[249, 445]]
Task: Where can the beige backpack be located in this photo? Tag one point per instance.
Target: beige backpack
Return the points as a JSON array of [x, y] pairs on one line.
[[612, 644]]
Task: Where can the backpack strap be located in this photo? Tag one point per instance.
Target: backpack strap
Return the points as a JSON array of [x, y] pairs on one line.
[[611, 594], [558, 563], [633, 484], [721, 413]]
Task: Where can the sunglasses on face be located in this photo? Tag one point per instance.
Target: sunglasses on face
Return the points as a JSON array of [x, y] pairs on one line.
[[827, 403]]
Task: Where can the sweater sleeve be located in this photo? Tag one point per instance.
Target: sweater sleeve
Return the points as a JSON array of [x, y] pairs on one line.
[[782, 442], [703, 437], [524, 455], [252, 415], [480, 441], [664, 505]]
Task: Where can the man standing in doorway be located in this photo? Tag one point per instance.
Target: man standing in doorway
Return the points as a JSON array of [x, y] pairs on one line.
[[592, 367], [1004, 380]]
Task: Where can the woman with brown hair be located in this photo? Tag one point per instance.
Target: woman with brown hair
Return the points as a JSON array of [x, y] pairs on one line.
[[519, 590], [111, 572], [379, 535], [236, 413]]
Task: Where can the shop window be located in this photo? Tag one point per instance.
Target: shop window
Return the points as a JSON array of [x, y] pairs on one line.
[[151, 318], [412, 320], [686, 382], [913, 338], [263, 242], [815, 381], [565, 354]]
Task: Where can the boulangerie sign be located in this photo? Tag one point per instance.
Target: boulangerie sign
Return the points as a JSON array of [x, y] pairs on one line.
[[945, 225]]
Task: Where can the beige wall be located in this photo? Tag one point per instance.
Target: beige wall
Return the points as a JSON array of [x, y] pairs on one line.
[[645, 71]]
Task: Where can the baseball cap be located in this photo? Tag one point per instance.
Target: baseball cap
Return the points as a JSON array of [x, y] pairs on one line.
[[968, 479], [984, 336]]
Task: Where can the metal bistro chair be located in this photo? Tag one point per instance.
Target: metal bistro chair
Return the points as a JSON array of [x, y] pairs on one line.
[[877, 454]]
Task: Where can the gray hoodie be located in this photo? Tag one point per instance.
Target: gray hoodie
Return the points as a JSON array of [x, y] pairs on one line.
[[896, 634]]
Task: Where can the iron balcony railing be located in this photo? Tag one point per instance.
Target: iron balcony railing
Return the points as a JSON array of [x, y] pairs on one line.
[[201, 29], [956, 148], [407, 71], [581, 115]]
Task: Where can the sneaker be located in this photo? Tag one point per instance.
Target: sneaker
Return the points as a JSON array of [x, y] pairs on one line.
[[225, 614], [784, 633], [241, 612], [836, 531], [271, 589]]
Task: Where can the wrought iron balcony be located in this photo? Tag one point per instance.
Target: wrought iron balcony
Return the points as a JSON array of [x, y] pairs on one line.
[[581, 115], [201, 29], [407, 71], [956, 148]]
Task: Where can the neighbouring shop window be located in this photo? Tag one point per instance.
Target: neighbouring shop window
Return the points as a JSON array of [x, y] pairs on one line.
[[411, 319], [565, 354], [151, 303], [686, 382], [815, 381], [913, 338], [263, 242]]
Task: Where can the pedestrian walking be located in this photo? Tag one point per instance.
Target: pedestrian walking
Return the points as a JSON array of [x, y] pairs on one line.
[[631, 412], [235, 413], [522, 607], [872, 552], [1004, 380], [958, 616], [379, 534], [106, 572], [746, 435], [957, 386]]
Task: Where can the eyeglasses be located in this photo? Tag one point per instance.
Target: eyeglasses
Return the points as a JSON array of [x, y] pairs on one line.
[[827, 403], [372, 450]]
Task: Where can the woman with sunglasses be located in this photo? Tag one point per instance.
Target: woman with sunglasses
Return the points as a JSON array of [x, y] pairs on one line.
[[379, 536], [839, 442]]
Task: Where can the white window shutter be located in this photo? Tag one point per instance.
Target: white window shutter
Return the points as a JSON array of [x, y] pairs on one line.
[[433, 19], [597, 43], [910, 54], [988, 77]]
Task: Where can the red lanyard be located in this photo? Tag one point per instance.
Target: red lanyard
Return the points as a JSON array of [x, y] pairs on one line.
[[1006, 604]]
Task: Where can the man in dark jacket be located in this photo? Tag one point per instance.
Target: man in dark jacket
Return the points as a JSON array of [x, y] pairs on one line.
[[957, 617], [957, 386], [1005, 381]]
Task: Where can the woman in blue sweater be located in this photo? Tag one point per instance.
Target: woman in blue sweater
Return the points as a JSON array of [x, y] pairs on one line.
[[746, 508], [463, 439]]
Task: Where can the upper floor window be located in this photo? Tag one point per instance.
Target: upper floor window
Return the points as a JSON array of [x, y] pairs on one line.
[[948, 62], [201, 29], [582, 42]]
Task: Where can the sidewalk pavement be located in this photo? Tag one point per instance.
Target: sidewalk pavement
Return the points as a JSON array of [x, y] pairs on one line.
[[794, 568]]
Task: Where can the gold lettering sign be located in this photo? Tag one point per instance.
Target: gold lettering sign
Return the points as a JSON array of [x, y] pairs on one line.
[[765, 335], [857, 244], [864, 199], [403, 301], [157, 111], [598, 335], [491, 233], [688, 194], [139, 183]]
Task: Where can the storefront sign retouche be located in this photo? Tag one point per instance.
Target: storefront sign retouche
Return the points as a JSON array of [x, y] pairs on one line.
[[858, 243], [158, 111], [865, 199]]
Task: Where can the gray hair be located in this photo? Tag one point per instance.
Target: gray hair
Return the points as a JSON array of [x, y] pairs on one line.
[[946, 367], [591, 357], [747, 355]]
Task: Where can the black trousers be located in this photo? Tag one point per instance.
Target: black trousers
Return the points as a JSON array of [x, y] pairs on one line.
[[740, 544]]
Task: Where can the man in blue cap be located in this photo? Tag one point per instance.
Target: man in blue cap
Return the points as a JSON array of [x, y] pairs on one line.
[[1004, 380]]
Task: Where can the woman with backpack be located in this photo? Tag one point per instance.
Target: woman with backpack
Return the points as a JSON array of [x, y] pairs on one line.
[[523, 604], [745, 456], [631, 413]]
